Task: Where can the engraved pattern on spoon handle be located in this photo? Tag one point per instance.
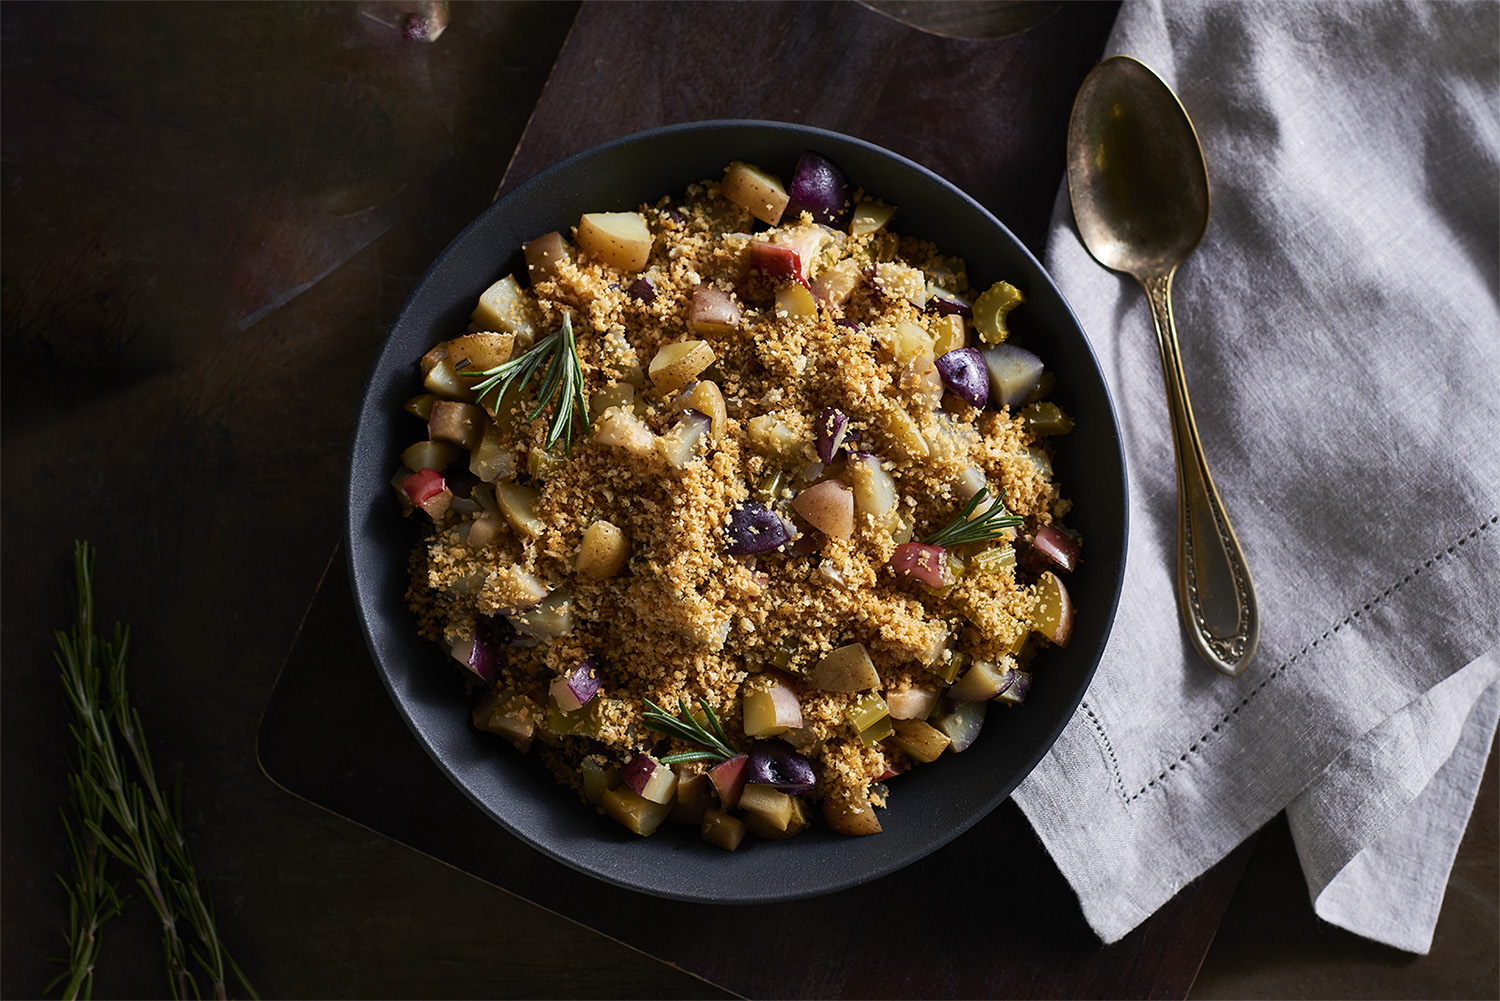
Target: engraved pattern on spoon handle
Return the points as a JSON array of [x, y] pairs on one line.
[[1208, 554]]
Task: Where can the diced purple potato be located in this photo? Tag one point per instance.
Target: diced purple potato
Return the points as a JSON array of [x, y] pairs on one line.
[[578, 687], [945, 303], [775, 764], [649, 778], [833, 427], [641, 290], [1014, 373], [962, 725], [477, 658], [965, 375], [921, 561], [819, 187], [754, 528], [1060, 549], [1017, 685], [729, 779], [680, 444]]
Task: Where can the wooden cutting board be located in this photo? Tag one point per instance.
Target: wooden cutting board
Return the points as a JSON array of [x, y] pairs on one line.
[[986, 916]]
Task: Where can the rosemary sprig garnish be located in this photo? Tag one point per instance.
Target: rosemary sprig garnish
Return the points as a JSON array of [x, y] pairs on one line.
[[988, 526], [121, 810], [687, 728], [563, 380]]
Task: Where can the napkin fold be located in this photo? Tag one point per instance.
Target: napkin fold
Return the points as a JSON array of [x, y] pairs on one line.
[[1340, 328]]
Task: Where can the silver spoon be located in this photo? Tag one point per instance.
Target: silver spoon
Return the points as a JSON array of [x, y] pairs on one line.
[[1139, 187]]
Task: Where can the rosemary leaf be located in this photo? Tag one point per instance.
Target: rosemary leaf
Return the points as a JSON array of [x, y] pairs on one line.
[[562, 381], [965, 528], [687, 729]]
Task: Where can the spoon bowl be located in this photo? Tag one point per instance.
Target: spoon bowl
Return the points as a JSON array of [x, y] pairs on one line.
[[1139, 186]]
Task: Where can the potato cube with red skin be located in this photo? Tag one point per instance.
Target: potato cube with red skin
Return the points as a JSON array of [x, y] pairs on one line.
[[828, 507], [771, 711], [728, 778], [777, 261], [428, 491], [713, 311]]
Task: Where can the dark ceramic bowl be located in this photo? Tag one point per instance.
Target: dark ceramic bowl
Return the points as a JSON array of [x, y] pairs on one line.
[[929, 806]]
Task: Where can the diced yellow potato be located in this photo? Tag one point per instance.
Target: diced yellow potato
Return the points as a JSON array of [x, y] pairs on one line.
[[615, 394], [771, 434], [543, 255], [849, 812], [770, 803], [428, 455], [757, 192], [837, 282], [604, 551], [679, 362], [480, 350], [869, 217], [621, 428], [845, 669], [795, 302], [456, 423], [713, 311], [722, 829], [874, 489], [619, 239], [922, 741], [443, 380], [503, 309], [901, 281], [764, 827], [636, 812], [911, 343], [490, 460], [706, 398], [950, 334], [516, 502]]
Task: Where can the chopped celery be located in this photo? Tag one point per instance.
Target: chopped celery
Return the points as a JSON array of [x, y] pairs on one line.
[[866, 711], [878, 731], [768, 490], [994, 559]]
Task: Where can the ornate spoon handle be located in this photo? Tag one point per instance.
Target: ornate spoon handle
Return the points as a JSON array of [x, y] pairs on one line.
[[1214, 590]]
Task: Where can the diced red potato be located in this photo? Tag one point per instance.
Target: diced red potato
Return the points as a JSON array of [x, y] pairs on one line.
[[922, 562], [777, 261], [829, 507], [649, 778], [428, 491], [845, 669], [911, 703], [619, 239], [728, 778], [640, 815], [544, 254], [604, 551], [460, 424], [757, 192], [695, 797], [713, 311], [771, 711], [922, 741], [1052, 609], [1059, 548]]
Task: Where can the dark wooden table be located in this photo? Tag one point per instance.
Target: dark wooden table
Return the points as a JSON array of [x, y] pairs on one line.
[[210, 215]]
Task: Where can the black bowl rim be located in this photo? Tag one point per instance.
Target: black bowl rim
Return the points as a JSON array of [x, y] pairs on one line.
[[814, 876]]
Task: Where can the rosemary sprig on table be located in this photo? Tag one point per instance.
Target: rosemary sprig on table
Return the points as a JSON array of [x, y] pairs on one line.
[[563, 380], [985, 528], [687, 728], [121, 810]]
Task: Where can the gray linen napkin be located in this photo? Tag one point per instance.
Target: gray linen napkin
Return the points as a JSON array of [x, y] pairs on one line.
[[1341, 337]]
